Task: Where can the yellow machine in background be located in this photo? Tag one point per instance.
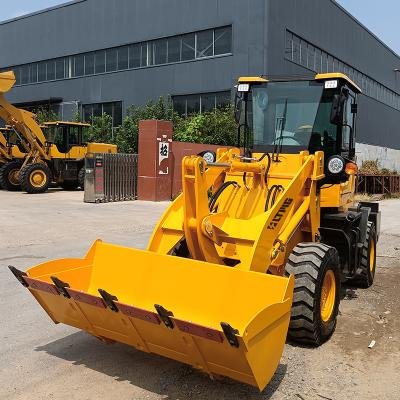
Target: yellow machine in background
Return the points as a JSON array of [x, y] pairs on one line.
[[227, 275], [58, 158]]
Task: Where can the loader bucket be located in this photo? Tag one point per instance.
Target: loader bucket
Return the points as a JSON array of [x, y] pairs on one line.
[[7, 81], [221, 320]]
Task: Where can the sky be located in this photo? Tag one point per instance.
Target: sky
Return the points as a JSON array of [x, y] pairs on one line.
[[381, 17]]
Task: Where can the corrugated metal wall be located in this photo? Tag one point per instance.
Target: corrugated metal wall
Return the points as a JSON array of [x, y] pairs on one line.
[[258, 48]]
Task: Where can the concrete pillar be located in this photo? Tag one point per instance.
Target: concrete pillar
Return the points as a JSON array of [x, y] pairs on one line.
[[155, 165]]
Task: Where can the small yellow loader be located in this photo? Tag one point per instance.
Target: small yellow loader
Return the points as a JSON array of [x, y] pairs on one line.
[[253, 250], [57, 158]]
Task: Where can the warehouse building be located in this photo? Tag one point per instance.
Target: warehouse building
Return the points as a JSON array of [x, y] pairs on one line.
[[100, 56]]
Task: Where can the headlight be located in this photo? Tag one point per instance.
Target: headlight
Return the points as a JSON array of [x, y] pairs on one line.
[[209, 156], [336, 165]]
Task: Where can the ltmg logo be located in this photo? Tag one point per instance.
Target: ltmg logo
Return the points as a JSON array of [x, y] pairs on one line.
[[281, 212]]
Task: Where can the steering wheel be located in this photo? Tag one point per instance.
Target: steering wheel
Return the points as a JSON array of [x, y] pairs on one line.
[[281, 140]]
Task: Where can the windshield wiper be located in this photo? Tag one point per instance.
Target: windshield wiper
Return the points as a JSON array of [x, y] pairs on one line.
[[279, 140]]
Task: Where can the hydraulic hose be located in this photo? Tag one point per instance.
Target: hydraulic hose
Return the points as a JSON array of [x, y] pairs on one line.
[[217, 194], [272, 195]]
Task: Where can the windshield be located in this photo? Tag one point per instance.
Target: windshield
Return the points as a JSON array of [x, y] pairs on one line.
[[293, 115], [64, 136]]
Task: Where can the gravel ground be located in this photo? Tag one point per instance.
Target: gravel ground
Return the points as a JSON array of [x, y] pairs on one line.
[[39, 360]]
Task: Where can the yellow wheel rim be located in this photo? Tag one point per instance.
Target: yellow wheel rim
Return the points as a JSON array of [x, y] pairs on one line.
[[37, 178], [372, 256], [328, 296], [13, 177]]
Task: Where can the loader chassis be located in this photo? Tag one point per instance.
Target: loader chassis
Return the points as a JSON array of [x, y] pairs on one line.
[[253, 250]]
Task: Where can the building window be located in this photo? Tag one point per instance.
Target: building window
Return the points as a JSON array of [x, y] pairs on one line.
[[180, 48], [205, 44], [79, 65], [33, 73], [143, 56], [89, 64], [223, 40], [100, 61], [188, 51], [24, 74], [123, 58], [174, 49], [111, 60], [134, 56], [51, 70], [202, 102], [42, 75], [160, 51], [60, 68], [113, 109], [307, 55]]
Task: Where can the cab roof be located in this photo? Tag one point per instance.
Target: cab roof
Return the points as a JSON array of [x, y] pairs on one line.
[[317, 77], [65, 123]]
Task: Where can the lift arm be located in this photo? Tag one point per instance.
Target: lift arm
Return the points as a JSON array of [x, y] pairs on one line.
[[22, 121], [240, 226]]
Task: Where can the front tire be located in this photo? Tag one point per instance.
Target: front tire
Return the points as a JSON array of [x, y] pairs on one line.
[[316, 298], [35, 178], [9, 176]]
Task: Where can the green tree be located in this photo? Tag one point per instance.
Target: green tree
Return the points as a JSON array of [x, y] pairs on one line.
[[213, 127], [46, 115], [126, 136], [100, 130]]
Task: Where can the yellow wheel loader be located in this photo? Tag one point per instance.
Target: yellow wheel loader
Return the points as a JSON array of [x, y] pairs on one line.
[[57, 158], [253, 250]]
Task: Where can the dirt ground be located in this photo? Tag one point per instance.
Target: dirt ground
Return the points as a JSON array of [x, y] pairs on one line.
[[40, 360]]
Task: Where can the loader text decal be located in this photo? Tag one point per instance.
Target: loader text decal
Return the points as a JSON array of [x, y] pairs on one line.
[[281, 212]]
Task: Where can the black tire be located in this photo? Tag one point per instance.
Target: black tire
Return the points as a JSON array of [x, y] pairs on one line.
[[310, 263], [81, 178], [9, 176], [27, 178], [365, 273], [70, 185]]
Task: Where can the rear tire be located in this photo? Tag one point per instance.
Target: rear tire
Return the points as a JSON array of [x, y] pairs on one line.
[[316, 299], [366, 271], [9, 179], [35, 178], [81, 178]]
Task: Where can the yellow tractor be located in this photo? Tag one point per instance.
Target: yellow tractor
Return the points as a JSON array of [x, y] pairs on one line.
[[254, 249], [57, 157]]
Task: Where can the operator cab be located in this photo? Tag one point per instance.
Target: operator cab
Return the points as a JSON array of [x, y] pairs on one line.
[[65, 135], [289, 116]]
